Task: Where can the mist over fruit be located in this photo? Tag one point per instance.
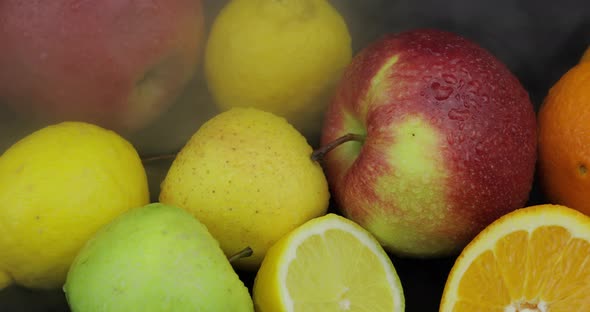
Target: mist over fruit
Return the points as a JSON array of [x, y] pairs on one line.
[[117, 64]]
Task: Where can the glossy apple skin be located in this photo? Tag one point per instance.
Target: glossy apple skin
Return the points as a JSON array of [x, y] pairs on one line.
[[449, 142], [115, 63]]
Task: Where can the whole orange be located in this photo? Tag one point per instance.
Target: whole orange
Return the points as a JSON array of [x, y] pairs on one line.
[[586, 56], [564, 140]]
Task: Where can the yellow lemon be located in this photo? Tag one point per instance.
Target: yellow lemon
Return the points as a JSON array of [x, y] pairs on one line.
[[532, 259], [58, 186], [248, 176], [327, 264], [284, 57]]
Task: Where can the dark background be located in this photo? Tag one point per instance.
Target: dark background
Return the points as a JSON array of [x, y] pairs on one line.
[[538, 40]]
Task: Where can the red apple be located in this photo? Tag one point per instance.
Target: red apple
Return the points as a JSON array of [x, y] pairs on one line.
[[116, 63], [442, 142]]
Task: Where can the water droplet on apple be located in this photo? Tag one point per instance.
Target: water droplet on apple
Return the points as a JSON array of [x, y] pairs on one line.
[[450, 139], [441, 92], [434, 120], [480, 149], [426, 178], [448, 78], [469, 102], [460, 138], [474, 86], [459, 114], [75, 6], [466, 73]]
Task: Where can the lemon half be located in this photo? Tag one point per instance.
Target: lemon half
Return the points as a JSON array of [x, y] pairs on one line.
[[327, 264]]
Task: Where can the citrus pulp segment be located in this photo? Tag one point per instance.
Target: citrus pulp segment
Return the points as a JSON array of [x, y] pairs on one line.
[[533, 259], [327, 264]]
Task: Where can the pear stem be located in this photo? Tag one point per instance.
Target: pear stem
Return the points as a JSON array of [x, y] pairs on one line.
[[246, 252], [157, 157], [319, 153]]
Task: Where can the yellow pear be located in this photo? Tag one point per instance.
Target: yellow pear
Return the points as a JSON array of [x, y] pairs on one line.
[[248, 176]]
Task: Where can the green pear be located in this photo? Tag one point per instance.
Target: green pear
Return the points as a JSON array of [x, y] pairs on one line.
[[154, 258]]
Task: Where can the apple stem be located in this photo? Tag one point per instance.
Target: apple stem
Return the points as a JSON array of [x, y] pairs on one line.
[[246, 252], [157, 157], [319, 153]]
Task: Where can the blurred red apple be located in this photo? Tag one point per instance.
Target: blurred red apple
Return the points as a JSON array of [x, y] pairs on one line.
[[442, 142], [116, 63]]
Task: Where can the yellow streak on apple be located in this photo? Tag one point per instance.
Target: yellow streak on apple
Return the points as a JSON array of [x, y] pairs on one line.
[[416, 189], [378, 87]]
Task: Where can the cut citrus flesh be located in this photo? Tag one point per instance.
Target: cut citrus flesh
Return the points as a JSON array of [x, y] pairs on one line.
[[327, 264], [535, 259]]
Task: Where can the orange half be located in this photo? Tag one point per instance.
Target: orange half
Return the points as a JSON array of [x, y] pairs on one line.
[[535, 259]]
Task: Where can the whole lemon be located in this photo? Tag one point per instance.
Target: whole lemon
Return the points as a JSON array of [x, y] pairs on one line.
[[283, 57], [248, 176], [58, 186]]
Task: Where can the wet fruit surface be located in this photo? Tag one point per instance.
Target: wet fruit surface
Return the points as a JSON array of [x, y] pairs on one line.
[[450, 141]]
